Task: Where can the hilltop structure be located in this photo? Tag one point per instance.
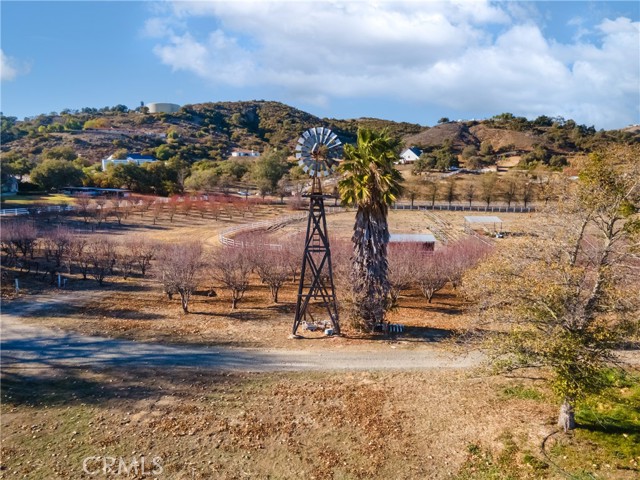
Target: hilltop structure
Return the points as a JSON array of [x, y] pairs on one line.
[[163, 107]]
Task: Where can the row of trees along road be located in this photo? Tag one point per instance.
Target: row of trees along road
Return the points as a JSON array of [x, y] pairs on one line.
[[569, 297], [487, 189]]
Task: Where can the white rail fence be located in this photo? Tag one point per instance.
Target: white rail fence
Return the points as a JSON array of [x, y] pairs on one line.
[[225, 236], [14, 212], [466, 208]]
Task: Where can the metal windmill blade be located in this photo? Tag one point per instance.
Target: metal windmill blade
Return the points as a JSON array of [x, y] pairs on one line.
[[318, 151]]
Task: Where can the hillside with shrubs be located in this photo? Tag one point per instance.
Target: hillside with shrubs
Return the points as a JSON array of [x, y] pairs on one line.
[[60, 149]]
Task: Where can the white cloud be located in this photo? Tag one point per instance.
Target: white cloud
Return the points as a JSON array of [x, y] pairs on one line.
[[461, 55], [8, 68]]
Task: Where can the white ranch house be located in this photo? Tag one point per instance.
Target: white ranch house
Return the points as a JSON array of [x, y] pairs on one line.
[[410, 155], [239, 152], [131, 158]]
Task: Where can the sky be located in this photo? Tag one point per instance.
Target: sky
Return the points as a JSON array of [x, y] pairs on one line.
[[414, 61]]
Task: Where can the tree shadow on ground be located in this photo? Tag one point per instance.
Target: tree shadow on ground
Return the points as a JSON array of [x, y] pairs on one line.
[[428, 334], [68, 387], [433, 308], [108, 314], [64, 386], [410, 334]]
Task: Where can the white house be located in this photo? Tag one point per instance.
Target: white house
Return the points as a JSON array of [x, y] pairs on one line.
[[239, 152], [131, 158], [410, 155]]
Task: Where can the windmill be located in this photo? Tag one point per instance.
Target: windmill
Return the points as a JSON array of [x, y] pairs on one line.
[[318, 152]]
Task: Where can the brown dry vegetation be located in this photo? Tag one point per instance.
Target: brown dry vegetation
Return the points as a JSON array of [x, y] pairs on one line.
[[137, 308], [420, 424], [202, 425]]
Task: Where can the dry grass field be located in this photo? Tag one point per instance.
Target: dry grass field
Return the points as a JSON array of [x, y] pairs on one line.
[[201, 424], [204, 425]]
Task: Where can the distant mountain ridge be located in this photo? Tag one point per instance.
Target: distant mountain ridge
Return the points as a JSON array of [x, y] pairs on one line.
[[210, 131]]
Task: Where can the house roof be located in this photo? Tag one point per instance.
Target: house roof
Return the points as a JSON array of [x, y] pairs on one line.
[[411, 238], [242, 150], [415, 150], [133, 156]]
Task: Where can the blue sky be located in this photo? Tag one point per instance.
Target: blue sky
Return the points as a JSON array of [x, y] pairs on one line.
[[413, 61]]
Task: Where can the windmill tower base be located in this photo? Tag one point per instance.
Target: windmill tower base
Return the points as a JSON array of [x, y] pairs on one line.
[[316, 291]]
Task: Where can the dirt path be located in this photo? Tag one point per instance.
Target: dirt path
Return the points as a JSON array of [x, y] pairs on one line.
[[28, 345]]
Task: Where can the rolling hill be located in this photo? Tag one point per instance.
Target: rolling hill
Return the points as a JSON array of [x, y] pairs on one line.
[[210, 131]]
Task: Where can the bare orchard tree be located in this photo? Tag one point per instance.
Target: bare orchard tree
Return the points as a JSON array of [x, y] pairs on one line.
[[179, 269], [469, 192], [143, 251], [101, 253], [432, 274], [56, 244], [215, 208], [547, 187], [526, 192], [462, 256], [23, 234], [126, 260], [449, 192], [135, 253], [431, 189], [341, 251], [145, 204], [510, 190], [83, 206], [231, 268], [156, 211], [172, 207], [102, 212], [294, 246], [119, 210], [404, 263], [77, 255], [186, 206], [488, 188], [271, 264], [9, 248]]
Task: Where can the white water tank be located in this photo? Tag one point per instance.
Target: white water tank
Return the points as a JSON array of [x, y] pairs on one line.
[[163, 107]]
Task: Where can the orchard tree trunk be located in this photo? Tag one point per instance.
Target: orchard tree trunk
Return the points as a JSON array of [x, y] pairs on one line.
[[566, 419], [184, 298]]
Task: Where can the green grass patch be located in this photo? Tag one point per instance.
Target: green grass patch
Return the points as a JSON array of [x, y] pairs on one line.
[[511, 463], [606, 441], [25, 201], [523, 393]]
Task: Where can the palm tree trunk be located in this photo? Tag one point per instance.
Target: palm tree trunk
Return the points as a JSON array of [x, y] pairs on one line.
[[369, 275]]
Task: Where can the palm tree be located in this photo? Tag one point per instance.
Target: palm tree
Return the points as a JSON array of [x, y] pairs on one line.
[[371, 183]]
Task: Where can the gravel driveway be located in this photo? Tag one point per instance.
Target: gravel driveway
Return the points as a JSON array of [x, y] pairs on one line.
[[29, 345]]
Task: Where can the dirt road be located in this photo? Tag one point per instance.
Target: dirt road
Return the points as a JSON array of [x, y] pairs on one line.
[[29, 345]]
